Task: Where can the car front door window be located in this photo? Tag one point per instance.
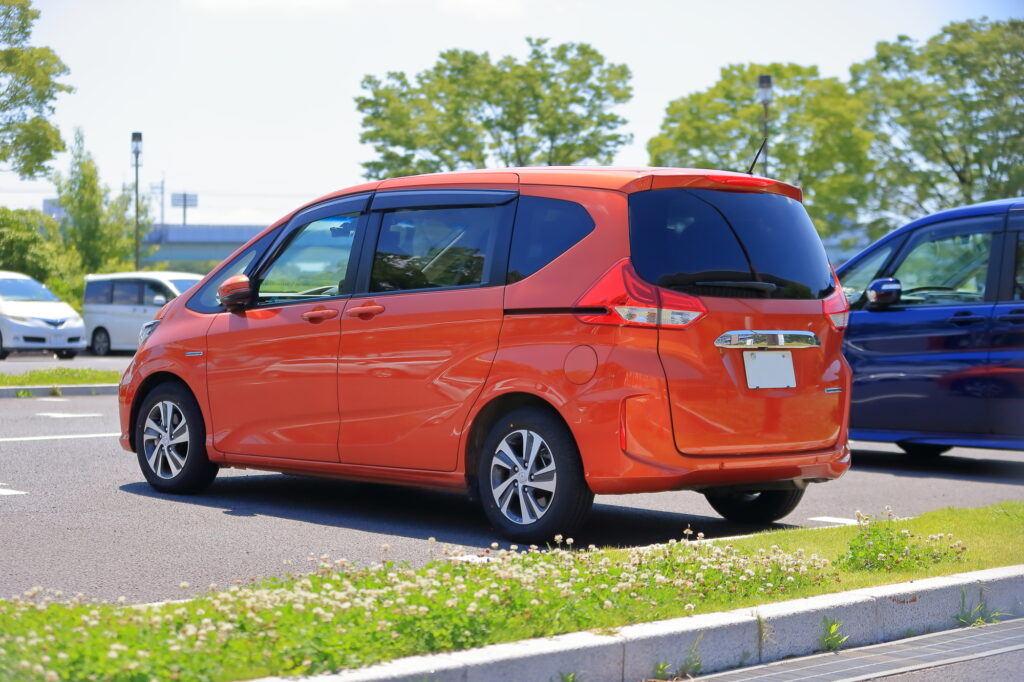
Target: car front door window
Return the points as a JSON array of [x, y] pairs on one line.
[[313, 265], [946, 269]]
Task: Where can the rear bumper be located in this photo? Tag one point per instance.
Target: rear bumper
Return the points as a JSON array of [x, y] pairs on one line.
[[751, 472]]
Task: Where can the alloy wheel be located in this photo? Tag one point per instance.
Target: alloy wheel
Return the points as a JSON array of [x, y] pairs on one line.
[[165, 439], [523, 477]]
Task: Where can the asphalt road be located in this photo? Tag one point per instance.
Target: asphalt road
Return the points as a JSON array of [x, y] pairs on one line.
[[76, 514]]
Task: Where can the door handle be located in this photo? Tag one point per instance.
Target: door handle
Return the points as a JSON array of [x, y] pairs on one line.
[[320, 315], [1013, 316], [366, 311], [966, 317]]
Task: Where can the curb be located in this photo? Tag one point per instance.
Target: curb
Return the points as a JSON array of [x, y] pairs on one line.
[[731, 639], [47, 391]]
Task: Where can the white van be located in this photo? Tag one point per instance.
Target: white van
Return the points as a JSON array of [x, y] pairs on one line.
[[117, 305]]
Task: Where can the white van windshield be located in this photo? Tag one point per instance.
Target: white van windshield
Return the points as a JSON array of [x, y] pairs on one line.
[[24, 290]]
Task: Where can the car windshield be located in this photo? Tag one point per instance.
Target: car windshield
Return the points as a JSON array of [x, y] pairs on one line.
[[183, 285], [24, 290]]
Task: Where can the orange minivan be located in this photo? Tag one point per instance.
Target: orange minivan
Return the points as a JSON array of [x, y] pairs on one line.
[[531, 337]]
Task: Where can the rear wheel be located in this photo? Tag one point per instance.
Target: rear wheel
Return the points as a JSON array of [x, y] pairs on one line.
[[530, 477], [764, 506], [924, 450], [100, 342], [170, 439]]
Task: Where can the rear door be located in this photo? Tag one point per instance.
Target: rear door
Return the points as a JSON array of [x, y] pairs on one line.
[[1004, 376], [125, 311], [418, 344], [916, 364], [762, 371]]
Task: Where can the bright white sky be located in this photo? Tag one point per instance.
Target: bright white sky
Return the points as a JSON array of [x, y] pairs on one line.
[[249, 103]]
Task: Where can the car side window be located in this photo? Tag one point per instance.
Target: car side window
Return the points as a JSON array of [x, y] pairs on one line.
[[435, 247], [544, 230], [126, 292], [206, 299], [314, 264], [948, 264], [155, 294], [98, 291], [857, 277]]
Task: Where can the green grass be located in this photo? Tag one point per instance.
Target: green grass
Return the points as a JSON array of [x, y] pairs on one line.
[[340, 616], [61, 376]]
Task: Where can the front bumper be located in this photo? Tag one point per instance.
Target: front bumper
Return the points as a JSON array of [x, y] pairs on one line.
[[41, 336]]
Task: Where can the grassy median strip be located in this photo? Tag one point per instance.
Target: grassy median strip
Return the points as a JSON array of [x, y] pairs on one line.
[[342, 616], [61, 377]]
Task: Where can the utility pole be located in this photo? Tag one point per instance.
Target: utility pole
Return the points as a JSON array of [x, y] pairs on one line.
[[136, 153]]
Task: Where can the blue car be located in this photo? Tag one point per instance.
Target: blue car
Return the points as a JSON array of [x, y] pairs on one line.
[[936, 332]]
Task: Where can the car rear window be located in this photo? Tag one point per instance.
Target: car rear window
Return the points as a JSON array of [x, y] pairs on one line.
[[728, 244]]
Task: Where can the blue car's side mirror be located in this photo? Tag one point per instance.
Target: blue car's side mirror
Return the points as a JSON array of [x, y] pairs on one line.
[[883, 293]]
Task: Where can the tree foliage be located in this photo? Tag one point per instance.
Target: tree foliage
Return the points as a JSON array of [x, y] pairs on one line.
[[100, 229], [948, 116], [30, 243], [467, 111], [28, 86], [817, 135]]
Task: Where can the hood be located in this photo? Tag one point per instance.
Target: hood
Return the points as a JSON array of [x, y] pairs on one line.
[[47, 310]]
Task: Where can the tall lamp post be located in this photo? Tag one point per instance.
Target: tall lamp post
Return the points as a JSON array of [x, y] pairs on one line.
[[764, 96], [136, 153]]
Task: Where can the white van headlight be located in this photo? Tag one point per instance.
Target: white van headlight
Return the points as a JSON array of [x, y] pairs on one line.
[[147, 330]]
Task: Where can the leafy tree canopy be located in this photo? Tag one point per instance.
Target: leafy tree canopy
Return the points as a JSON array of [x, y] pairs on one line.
[[30, 244], [949, 117], [817, 135], [28, 86], [99, 228], [467, 111]]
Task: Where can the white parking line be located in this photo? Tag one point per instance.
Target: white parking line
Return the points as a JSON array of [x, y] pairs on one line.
[[83, 435], [9, 491], [834, 519], [68, 415]]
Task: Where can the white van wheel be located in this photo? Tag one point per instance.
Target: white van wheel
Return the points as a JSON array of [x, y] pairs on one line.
[[100, 342]]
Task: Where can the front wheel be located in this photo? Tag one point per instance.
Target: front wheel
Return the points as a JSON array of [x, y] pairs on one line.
[[530, 477], [66, 354], [100, 342], [3, 353], [170, 439], [762, 506]]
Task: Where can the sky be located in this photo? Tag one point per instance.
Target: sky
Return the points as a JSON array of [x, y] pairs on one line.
[[249, 104]]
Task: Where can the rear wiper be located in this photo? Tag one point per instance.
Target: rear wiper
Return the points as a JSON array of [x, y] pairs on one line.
[[756, 286]]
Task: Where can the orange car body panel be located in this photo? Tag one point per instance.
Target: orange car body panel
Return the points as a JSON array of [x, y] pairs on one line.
[[393, 398]]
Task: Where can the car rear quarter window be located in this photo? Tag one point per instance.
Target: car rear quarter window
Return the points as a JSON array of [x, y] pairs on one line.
[[544, 230], [99, 291], [728, 244]]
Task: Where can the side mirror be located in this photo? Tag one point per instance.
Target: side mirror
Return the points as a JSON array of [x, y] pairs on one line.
[[235, 293], [883, 293], [159, 300]]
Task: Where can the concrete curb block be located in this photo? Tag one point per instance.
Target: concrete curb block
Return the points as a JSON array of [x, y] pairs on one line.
[[720, 640], [49, 391]]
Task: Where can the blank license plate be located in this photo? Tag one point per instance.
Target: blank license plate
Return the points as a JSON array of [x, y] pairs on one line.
[[769, 369]]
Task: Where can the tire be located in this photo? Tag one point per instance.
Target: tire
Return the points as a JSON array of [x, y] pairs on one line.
[[100, 342], [532, 499], [765, 506], [3, 353], [66, 354], [173, 460], [924, 450]]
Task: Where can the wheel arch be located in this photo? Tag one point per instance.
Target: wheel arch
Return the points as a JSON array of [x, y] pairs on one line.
[[485, 419], [145, 388]]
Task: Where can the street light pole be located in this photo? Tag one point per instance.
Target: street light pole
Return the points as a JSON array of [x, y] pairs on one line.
[[764, 96], [136, 153]]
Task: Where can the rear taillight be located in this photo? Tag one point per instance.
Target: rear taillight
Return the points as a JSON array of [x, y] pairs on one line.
[[621, 298], [836, 308]]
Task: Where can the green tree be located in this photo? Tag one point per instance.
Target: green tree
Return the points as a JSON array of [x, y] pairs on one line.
[[553, 108], [100, 229], [30, 243], [948, 117], [28, 86], [817, 137]]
